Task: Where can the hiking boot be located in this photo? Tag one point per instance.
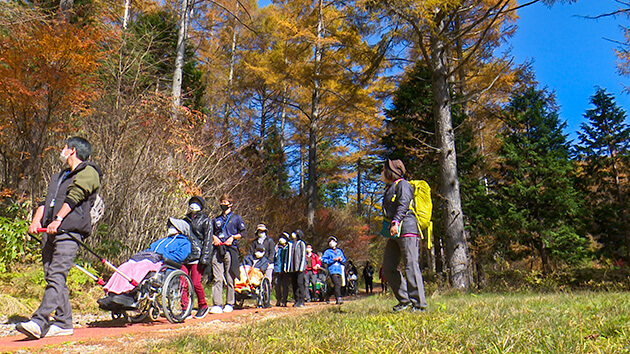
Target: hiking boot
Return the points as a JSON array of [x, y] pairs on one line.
[[228, 308], [29, 329], [401, 307], [202, 312], [216, 309], [56, 331]]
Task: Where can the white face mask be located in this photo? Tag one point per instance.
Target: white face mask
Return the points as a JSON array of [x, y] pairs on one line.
[[259, 254], [194, 207], [63, 158], [332, 244], [309, 251], [172, 231], [262, 234]]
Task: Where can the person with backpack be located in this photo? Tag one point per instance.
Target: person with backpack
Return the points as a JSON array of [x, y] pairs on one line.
[[403, 239], [200, 237], [66, 216], [228, 229]]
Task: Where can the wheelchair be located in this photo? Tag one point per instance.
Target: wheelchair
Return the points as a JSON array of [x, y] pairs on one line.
[[260, 292], [163, 292]]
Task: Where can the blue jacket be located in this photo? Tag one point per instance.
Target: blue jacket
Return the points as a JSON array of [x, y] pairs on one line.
[[261, 263], [280, 258], [175, 248], [334, 267]]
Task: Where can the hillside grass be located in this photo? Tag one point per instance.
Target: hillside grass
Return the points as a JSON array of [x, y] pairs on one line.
[[571, 322]]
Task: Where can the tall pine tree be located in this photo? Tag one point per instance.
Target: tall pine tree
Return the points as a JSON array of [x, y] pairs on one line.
[[536, 183], [604, 150]]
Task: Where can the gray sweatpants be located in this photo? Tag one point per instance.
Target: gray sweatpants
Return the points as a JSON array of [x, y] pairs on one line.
[[57, 258], [221, 273], [408, 288]]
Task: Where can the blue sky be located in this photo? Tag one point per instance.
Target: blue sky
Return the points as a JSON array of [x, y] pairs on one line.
[[571, 55]]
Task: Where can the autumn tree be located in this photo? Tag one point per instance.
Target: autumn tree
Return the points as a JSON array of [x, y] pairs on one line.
[[604, 150]]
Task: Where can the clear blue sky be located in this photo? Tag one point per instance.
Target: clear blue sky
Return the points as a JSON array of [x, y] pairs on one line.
[[571, 55]]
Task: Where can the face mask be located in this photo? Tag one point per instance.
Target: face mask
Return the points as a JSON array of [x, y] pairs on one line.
[[172, 231], [309, 251], [262, 234], [194, 207], [332, 244], [282, 241], [63, 158], [259, 254], [293, 235], [225, 207]]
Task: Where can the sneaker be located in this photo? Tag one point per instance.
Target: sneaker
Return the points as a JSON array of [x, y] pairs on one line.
[[418, 309], [29, 329], [401, 307], [228, 308], [339, 302], [56, 331], [216, 309], [202, 312], [298, 304]]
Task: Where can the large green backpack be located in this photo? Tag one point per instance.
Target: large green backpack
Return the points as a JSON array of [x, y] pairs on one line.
[[422, 207]]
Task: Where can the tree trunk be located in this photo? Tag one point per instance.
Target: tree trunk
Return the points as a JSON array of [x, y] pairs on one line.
[[226, 108], [311, 189], [182, 35], [455, 238], [359, 203]]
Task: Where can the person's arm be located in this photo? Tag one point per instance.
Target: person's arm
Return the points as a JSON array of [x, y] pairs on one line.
[[404, 194], [327, 258], [36, 223]]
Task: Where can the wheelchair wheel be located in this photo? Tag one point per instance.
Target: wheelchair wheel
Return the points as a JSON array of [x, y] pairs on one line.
[[177, 288], [140, 314], [264, 294]]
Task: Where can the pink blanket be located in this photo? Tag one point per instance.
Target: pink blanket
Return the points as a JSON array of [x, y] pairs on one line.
[[117, 284]]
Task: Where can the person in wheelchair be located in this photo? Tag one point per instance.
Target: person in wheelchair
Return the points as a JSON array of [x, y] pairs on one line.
[[251, 271], [174, 248]]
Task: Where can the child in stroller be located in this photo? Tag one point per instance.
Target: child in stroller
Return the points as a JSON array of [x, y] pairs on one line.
[[128, 288], [252, 282]]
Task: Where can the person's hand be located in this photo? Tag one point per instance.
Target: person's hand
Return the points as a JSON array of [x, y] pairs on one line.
[[53, 227], [393, 230], [32, 228], [216, 241], [229, 241]]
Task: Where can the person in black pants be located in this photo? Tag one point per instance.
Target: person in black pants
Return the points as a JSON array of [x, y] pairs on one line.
[[368, 274], [295, 265], [334, 258]]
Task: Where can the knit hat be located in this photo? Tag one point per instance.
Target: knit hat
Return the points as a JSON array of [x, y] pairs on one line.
[[397, 166]]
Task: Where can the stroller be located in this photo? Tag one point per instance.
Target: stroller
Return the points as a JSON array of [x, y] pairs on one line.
[[252, 284]]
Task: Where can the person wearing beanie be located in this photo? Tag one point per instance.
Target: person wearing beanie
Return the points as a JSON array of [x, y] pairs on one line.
[[404, 243], [335, 259], [200, 237], [263, 240]]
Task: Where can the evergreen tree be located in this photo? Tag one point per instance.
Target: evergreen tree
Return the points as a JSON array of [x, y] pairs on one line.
[[541, 207], [603, 149]]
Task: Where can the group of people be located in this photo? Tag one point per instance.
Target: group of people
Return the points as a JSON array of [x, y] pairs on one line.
[[211, 246]]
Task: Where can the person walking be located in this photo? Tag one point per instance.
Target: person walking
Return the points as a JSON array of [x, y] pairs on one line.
[[334, 258], [295, 265], [66, 217], [403, 243], [368, 274], [201, 241], [228, 229], [313, 264], [281, 277]]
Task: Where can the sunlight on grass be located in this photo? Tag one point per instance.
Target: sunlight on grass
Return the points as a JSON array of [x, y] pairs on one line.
[[511, 323]]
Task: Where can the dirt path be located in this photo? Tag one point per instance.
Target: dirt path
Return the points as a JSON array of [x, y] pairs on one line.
[[120, 337]]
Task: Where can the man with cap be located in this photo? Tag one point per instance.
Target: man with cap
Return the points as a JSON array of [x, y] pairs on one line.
[[404, 242], [335, 259], [263, 240]]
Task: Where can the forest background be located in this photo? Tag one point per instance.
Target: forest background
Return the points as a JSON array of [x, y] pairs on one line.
[[292, 109]]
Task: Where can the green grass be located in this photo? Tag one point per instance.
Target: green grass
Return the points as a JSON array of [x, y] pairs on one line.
[[584, 322]]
